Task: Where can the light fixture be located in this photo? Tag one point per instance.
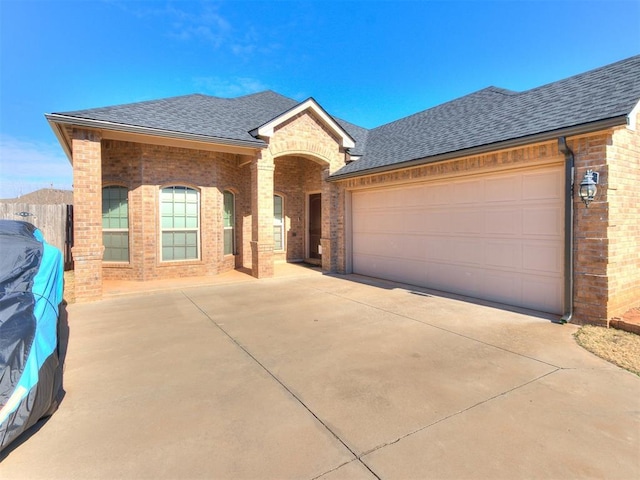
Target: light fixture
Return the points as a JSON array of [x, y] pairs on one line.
[[588, 187]]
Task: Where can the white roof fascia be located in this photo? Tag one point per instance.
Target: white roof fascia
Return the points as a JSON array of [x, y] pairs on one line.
[[632, 117], [267, 129]]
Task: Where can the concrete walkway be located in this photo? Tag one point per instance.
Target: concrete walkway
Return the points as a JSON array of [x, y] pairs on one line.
[[309, 376]]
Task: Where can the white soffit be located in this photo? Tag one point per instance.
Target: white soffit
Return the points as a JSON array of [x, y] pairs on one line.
[[267, 129]]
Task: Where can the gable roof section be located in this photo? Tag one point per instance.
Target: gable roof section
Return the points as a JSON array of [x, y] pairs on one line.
[[490, 117], [267, 129], [486, 120], [226, 120]]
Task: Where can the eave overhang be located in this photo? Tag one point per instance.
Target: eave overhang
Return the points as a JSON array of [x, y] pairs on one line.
[[490, 147], [267, 129], [123, 131]]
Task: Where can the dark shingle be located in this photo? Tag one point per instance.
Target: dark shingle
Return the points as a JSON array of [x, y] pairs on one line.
[[495, 115], [486, 117]]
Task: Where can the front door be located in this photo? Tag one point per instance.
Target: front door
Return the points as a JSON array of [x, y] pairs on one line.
[[315, 225]]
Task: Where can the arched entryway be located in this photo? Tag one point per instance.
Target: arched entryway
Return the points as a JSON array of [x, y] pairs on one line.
[[298, 200]]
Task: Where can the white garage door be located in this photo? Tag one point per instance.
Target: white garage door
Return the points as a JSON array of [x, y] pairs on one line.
[[497, 237]]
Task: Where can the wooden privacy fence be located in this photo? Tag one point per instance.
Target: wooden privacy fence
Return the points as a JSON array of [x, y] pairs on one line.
[[54, 221]]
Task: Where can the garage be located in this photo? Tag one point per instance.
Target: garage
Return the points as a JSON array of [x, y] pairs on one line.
[[496, 237]]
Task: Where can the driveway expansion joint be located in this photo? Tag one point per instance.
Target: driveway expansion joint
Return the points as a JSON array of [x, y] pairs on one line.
[[285, 387], [455, 414]]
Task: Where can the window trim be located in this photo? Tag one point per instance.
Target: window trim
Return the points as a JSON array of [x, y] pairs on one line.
[[162, 230], [117, 230]]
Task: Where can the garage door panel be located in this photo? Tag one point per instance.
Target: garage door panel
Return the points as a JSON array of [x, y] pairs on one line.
[[403, 270], [466, 222], [504, 189], [542, 293], [436, 195], [497, 237], [543, 220], [503, 254], [467, 192], [466, 251], [436, 248], [415, 221], [542, 185], [437, 221], [541, 257], [502, 287], [500, 221]]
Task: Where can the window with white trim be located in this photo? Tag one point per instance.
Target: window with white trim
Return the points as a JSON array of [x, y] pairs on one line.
[[278, 222], [115, 224], [180, 223], [229, 218]]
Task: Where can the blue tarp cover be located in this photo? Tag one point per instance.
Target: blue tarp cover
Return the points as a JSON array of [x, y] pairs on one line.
[[31, 288]]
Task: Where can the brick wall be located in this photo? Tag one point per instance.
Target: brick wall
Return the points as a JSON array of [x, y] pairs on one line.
[[87, 198], [591, 244], [623, 193], [145, 169]]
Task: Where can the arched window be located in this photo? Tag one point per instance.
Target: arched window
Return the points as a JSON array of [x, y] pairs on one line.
[[115, 224], [180, 223], [278, 222], [229, 218]]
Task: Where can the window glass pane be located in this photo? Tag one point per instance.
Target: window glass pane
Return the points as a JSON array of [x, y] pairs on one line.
[[115, 215], [191, 239], [228, 241], [277, 207], [277, 238], [116, 246], [191, 209], [179, 238], [278, 230], [180, 211], [228, 222], [167, 222], [167, 209]]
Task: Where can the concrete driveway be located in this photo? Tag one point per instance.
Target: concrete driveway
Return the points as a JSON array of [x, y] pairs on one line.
[[311, 376]]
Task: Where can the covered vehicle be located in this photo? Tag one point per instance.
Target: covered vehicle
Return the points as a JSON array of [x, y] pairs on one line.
[[31, 288]]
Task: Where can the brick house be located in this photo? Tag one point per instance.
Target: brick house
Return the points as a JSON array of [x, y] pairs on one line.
[[475, 196]]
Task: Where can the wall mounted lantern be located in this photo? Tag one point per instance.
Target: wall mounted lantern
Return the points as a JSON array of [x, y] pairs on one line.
[[588, 187]]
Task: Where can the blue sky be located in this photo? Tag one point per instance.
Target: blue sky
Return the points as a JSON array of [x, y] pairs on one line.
[[368, 62]]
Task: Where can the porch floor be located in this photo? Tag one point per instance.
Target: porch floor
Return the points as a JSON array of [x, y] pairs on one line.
[[115, 288]]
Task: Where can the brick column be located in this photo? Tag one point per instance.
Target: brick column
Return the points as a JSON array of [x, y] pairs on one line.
[[262, 169], [87, 214], [332, 225]]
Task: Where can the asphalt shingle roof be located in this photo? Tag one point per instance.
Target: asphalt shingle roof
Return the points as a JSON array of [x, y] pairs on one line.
[[227, 118], [489, 116], [495, 115]]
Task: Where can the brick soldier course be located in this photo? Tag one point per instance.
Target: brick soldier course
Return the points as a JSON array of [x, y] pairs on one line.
[[264, 144]]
